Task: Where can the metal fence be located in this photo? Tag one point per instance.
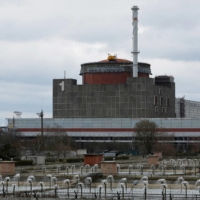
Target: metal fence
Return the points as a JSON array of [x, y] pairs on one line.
[[85, 195]]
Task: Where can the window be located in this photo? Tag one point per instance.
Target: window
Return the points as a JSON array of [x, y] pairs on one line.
[[155, 100], [161, 101], [156, 109], [167, 102], [159, 91], [163, 109]]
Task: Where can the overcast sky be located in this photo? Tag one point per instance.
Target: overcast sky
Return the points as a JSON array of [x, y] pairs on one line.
[[40, 39]]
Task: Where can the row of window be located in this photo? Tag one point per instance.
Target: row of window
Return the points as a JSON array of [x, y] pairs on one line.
[[134, 138], [161, 103], [103, 138], [164, 109], [187, 138]]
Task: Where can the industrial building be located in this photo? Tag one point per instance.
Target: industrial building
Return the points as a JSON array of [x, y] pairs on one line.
[[84, 130], [187, 108]]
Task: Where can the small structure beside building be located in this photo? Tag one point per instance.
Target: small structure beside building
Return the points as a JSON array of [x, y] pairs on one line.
[[81, 152], [92, 159], [186, 108], [7, 167], [153, 160], [37, 160], [109, 168], [110, 154]]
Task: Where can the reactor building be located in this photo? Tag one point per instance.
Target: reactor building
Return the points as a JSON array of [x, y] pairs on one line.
[[115, 88], [109, 90]]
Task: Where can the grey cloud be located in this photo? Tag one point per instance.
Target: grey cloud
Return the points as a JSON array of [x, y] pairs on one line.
[[29, 32], [41, 39], [170, 34], [22, 97], [173, 45], [178, 14], [87, 22]]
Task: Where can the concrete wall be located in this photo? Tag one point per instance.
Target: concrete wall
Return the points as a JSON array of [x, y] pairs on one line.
[[153, 160], [40, 160], [81, 151], [135, 99], [109, 168], [7, 167]]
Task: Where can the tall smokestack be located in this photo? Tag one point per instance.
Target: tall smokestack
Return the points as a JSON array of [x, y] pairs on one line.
[[135, 40]]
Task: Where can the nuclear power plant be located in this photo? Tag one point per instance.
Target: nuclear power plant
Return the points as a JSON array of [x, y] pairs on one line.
[[115, 94]]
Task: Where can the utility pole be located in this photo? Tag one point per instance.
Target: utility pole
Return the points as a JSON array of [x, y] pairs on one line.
[[13, 127], [41, 115]]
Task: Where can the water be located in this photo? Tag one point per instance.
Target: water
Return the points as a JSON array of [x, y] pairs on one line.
[[51, 186]]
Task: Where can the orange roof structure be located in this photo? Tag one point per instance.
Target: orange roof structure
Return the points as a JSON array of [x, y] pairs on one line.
[[117, 60]]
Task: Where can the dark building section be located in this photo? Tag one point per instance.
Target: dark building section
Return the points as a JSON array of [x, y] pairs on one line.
[[110, 91], [164, 80], [182, 107], [186, 108]]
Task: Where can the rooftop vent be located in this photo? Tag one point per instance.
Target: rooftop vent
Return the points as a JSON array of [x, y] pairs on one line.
[[112, 57]]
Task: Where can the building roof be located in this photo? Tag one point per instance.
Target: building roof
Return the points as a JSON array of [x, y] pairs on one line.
[[117, 60]]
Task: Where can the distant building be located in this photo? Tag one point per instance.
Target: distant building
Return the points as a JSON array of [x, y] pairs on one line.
[[187, 109]]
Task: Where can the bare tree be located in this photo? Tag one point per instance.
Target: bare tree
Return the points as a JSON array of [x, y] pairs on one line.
[[37, 144], [111, 145], [193, 148], [146, 136], [57, 141], [165, 144]]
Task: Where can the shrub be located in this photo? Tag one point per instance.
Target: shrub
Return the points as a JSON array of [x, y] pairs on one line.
[[24, 162], [122, 158], [74, 160]]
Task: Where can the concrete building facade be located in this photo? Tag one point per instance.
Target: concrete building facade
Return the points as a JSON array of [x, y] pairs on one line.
[[88, 130], [187, 108]]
